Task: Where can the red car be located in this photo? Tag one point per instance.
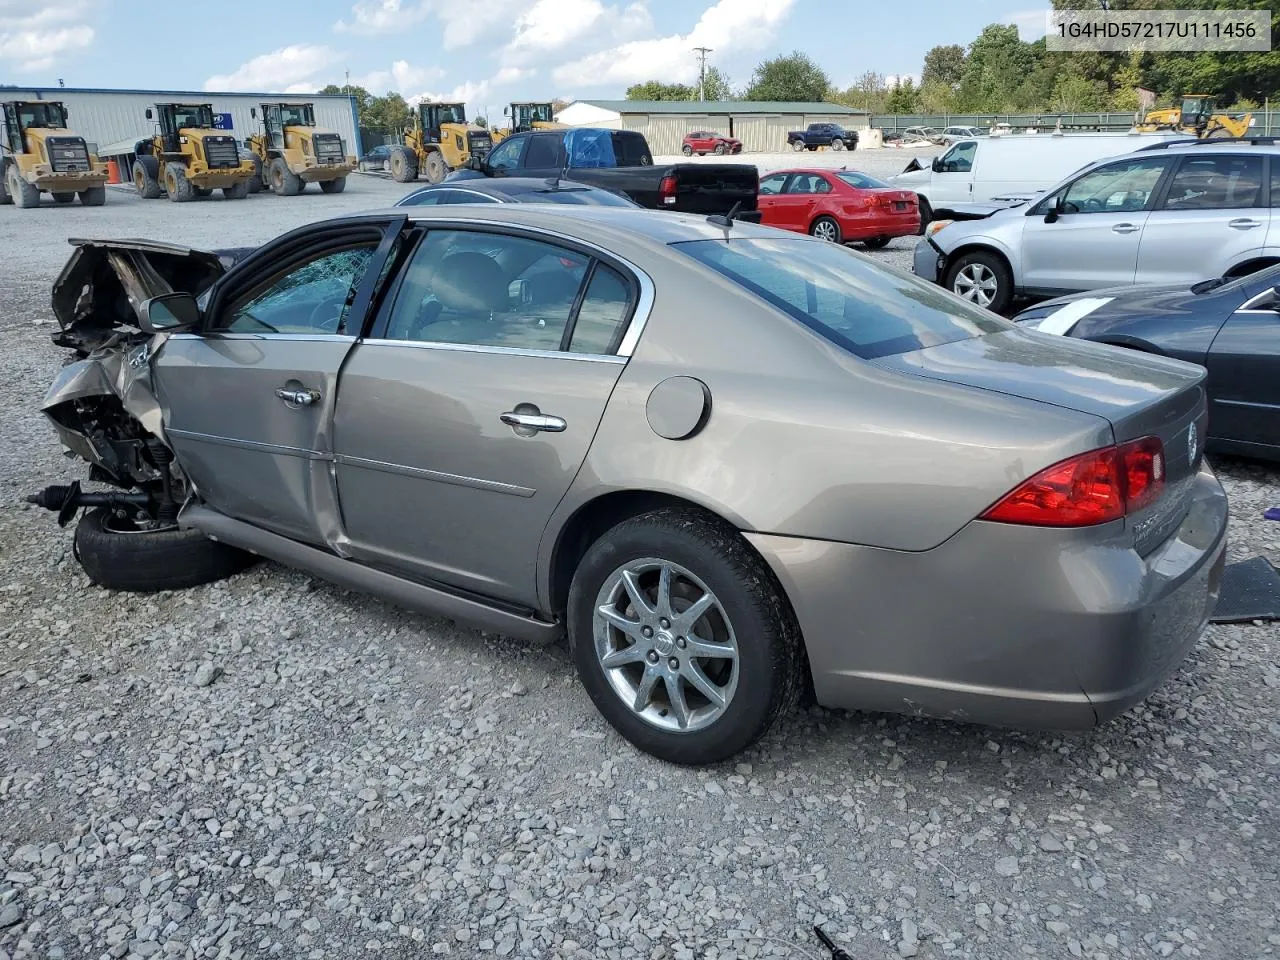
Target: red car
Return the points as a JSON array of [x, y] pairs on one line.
[[838, 205], [703, 142]]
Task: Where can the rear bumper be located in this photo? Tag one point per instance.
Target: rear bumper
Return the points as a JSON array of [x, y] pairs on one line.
[[889, 225], [1013, 626], [68, 182], [927, 261]]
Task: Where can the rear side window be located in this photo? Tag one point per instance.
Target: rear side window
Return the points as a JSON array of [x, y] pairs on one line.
[[864, 308], [861, 181], [1224, 182], [544, 152]]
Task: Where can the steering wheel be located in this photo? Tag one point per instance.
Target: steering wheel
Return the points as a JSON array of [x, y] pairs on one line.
[[1093, 205], [326, 314]]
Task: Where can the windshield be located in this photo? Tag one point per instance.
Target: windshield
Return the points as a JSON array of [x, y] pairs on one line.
[[866, 308], [453, 113], [861, 181], [527, 113], [49, 115], [186, 116], [586, 198], [297, 115]]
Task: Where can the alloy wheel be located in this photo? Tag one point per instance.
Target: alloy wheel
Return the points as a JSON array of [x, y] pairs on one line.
[[976, 282], [665, 645], [825, 230]]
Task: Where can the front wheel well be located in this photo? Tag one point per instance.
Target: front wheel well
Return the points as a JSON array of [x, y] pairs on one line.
[[1251, 266], [969, 248]]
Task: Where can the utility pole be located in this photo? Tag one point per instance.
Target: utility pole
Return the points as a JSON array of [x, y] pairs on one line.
[[347, 85], [702, 69]]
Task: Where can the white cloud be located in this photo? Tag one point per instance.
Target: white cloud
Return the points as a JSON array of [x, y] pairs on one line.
[[512, 75], [292, 69], [728, 26], [551, 26], [898, 79], [383, 16], [463, 23], [35, 38], [1031, 24], [402, 77], [471, 93]]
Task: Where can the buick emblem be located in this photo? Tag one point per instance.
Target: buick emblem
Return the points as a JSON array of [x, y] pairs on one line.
[[1192, 442]]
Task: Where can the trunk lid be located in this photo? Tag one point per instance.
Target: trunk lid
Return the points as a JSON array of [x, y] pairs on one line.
[[1139, 394], [892, 199], [105, 282], [714, 187]]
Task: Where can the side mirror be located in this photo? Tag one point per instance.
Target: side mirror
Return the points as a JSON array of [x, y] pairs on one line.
[[475, 163], [506, 111], [150, 115], [253, 112], [169, 313], [936, 165]]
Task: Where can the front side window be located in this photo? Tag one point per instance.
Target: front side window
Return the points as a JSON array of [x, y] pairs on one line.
[[493, 290], [865, 308], [506, 155], [1124, 187], [808, 183], [308, 298], [959, 159], [1215, 183]]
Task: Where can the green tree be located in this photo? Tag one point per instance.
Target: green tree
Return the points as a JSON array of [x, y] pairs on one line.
[[997, 64], [390, 112], [944, 65], [904, 98], [794, 77], [937, 98], [360, 93], [482, 121], [716, 85], [657, 90]]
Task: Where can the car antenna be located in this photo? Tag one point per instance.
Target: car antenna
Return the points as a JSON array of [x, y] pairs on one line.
[[726, 219], [837, 953]]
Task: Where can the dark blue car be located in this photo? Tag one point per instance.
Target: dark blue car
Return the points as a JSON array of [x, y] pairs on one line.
[[1230, 327]]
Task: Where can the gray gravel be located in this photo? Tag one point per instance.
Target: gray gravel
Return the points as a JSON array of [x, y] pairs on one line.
[[272, 766]]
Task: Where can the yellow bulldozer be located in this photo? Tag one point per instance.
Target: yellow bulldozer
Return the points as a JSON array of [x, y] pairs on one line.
[[1196, 116], [40, 155], [189, 157], [523, 117], [440, 140], [291, 152]]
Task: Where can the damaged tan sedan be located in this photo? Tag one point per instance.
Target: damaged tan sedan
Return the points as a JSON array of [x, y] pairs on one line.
[[730, 463]]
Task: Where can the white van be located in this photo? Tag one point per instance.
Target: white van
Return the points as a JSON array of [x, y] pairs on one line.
[[984, 169]]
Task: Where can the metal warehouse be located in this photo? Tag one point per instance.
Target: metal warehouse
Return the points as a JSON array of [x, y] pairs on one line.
[[112, 121], [761, 125]]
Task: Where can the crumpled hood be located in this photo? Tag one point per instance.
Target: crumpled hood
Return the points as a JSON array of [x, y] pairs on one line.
[[105, 282]]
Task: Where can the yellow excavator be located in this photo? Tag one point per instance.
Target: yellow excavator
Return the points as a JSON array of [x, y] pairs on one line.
[[189, 157], [40, 155], [523, 117], [1196, 116], [291, 151], [440, 140]]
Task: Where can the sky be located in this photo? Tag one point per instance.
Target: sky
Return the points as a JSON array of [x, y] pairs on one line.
[[484, 52]]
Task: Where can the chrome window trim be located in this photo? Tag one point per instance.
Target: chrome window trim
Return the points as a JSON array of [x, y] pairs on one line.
[[1247, 306], [644, 302], [238, 335], [440, 189], [485, 348]]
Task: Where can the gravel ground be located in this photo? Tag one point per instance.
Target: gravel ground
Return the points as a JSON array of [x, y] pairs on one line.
[[273, 767]]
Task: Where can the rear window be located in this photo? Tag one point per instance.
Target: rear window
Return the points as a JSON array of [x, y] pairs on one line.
[[861, 181], [867, 309], [590, 147]]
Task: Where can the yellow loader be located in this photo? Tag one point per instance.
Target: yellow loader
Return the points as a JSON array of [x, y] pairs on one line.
[[189, 157], [1196, 116], [523, 117], [439, 141], [291, 152], [40, 155]]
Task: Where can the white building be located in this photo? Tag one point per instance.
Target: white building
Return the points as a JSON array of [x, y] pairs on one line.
[[112, 121], [761, 125]]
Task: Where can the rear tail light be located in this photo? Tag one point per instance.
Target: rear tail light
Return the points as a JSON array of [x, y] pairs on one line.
[[667, 191], [1094, 487]]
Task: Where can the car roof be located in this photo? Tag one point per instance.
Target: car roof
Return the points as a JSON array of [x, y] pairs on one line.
[[499, 187], [606, 226]]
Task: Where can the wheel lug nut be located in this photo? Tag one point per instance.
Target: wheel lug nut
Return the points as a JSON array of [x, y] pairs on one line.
[[646, 632], [653, 656], [673, 663], [664, 623], [681, 642]]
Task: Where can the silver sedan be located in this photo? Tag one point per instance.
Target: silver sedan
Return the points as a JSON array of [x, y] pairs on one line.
[[732, 464]]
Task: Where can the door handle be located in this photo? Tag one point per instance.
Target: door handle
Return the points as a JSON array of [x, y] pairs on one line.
[[1244, 223], [1124, 228], [534, 421], [298, 398]]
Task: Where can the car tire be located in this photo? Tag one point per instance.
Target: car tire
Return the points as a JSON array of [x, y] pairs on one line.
[[202, 191], [687, 150], [435, 169], [719, 150], [876, 243], [798, 146], [926, 214], [256, 182], [404, 165], [826, 228], [982, 278], [119, 558], [5, 199], [146, 178], [61, 197], [837, 145], [93, 197], [238, 190], [754, 661], [284, 182], [336, 185]]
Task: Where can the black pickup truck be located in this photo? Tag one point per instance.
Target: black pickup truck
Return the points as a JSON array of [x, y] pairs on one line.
[[620, 160], [823, 135]]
